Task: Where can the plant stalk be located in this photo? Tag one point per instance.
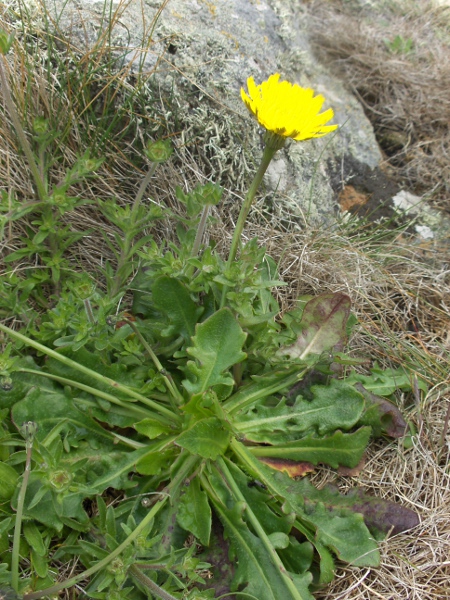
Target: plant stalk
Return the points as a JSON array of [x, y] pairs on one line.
[[200, 231], [190, 269], [267, 156], [40, 186], [149, 584], [244, 398], [130, 408], [140, 193], [259, 530], [178, 397], [89, 312], [19, 515], [169, 415], [126, 250], [51, 591]]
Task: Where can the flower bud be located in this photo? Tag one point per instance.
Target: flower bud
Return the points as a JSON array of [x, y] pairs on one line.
[[209, 194], [29, 430], [60, 480], [159, 151], [40, 125], [84, 288]]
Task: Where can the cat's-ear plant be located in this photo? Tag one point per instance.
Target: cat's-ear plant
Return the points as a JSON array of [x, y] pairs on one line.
[[285, 111], [202, 416]]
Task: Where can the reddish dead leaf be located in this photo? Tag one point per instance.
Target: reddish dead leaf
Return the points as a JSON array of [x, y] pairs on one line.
[[380, 516], [292, 467], [348, 472], [392, 421], [323, 322], [126, 318], [384, 515]]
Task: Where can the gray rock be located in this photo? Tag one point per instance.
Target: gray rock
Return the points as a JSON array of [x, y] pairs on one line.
[[202, 52]]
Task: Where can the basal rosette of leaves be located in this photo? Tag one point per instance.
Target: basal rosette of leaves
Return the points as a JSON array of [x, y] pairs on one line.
[[166, 447], [215, 459]]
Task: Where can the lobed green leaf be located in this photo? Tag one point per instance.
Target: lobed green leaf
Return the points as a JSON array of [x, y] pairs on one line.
[[217, 347], [335, 406], [194, 512], [338, 449]]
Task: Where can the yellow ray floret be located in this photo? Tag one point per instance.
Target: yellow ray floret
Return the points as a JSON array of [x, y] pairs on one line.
[[287, 109]]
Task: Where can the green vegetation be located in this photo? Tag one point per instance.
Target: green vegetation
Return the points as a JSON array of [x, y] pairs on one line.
[[159, 410]]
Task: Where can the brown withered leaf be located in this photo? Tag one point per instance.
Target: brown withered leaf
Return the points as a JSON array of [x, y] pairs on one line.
[[380, 516], [292, 467], [383, 515], [323, 322]]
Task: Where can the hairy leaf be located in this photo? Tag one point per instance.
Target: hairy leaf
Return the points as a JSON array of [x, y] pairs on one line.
[[337, 528], [155, 462], [207, 438], [384, 382], [112, 372], [345, 533], [8, 478], [48, 408], [256, 574], [217, 347], [262, 386], [382, 516], [323, 326], [172, 298], [34, 538], [334, 450], [194, 512], [112, 469], [297, 556], [258, 500], [52, 510], [336, 406], [151, 428]]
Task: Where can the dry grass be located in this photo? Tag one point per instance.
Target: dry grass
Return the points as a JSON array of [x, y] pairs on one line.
[[396, 59], [399, 288]]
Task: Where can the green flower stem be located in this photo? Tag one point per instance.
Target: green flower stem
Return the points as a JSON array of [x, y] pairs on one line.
[[129, 408], [268, 154], [169, 415], [200, 231], [176, 394], [149, 584], [40, 186], [190, 269], [89, 311], [243, 398], [140, 194], [19, 515], [176, 481], [259, 530], [53, 590], [127, 246]]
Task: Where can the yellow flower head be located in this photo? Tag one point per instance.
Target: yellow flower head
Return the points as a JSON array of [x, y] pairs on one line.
[[287, 109]]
